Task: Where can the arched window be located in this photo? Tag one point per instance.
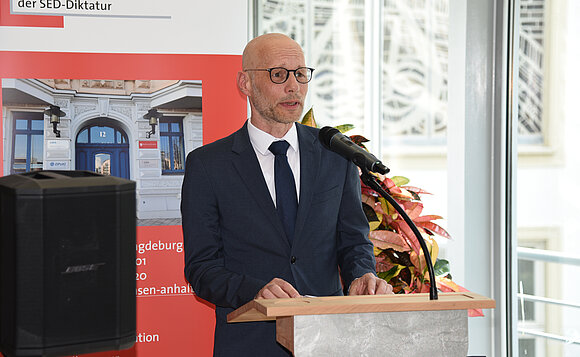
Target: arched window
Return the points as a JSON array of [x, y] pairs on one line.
[[101, 134]]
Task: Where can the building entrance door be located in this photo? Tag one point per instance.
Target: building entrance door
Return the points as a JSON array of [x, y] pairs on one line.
[[103, 147]]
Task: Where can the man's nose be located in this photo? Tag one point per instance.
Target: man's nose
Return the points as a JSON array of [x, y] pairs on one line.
[[291, 84]]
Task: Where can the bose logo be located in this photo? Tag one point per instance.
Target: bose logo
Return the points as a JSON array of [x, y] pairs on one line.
[[82, 268]]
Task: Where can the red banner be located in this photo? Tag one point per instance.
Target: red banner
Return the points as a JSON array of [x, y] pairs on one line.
[[171, 321], [147, 144]]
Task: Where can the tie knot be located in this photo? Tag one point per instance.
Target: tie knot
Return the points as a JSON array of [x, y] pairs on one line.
[[279, 147]]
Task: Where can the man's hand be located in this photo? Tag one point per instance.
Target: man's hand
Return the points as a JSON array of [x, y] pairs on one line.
[[369, 284], [277, 288]]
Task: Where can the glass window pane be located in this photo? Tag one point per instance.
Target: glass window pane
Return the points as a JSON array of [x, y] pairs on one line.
[[103, 164], [526, 278], [165, 153], [36, 150], [21, 124], [19, 168], [335, 49], [527, 347], [531, 72], [175, 128], [177, 142], [102, 135], [547, 130], [163, 127], [20, 153], [119, 137], [37, 124], [402, 90], [83, 137], [414, 85]]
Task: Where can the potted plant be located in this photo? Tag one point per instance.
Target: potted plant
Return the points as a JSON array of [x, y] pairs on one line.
[[399, 259]]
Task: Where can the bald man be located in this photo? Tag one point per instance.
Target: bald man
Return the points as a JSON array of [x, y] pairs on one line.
[[260, 222]]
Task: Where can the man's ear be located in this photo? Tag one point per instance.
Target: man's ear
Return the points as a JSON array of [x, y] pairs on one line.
[[243, 81]]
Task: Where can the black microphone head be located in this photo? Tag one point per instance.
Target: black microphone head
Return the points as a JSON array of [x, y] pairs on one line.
[[326, 134], [335, 141]]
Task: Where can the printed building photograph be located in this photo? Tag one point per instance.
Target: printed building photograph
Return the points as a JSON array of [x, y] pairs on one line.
[[140, 130]]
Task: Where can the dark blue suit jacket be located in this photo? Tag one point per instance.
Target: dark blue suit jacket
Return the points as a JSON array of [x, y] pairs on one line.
[[235, 242]]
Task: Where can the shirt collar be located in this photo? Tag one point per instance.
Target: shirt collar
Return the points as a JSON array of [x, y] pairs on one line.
[[261, 140]]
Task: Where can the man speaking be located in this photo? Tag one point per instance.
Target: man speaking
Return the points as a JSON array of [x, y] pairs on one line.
[[268, 212]]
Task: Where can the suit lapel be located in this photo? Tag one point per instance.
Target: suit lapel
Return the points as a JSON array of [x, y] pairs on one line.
[[249, 170], [309, 171]]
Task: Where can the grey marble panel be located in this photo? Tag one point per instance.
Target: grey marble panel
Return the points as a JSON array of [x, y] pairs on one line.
[[408, 333]]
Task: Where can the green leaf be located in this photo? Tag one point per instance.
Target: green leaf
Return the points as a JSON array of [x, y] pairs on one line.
[[416, 197], [400, 180], [441, 267], [344, 127], [393, 272], [308, 119]]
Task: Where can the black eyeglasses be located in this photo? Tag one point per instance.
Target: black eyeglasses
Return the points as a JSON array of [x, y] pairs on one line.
[[280, 75]]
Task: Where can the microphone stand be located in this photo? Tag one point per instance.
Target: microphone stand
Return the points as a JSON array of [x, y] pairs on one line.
[[371, 181]]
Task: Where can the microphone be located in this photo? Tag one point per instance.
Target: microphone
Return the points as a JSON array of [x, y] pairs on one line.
[[335, 141]]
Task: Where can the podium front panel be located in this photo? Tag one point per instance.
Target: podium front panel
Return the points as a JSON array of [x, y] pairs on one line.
[[406, 333]]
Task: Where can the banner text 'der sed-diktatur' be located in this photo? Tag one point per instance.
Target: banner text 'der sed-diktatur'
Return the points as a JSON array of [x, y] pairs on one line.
[[63, 4], [107, 8]]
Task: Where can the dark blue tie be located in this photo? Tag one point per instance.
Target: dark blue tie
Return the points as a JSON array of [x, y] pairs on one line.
[[286, 199]]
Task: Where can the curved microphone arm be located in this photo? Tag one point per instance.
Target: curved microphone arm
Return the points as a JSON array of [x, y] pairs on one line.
[[371, 181]]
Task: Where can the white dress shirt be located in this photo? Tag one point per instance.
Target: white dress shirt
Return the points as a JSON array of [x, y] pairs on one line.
[[261, 141]]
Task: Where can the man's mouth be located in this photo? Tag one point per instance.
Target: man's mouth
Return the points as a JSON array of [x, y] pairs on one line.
[[290, 104]]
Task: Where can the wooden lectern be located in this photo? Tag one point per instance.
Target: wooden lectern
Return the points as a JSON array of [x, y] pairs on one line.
[[369, 325]]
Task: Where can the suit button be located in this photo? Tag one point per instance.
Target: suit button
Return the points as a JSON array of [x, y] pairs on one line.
[[293, 260]]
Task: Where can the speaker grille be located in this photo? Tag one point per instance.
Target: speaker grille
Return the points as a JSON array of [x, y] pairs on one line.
[[68, 263]]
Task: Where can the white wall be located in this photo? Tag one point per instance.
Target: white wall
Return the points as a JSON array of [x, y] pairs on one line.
[[203, 27]]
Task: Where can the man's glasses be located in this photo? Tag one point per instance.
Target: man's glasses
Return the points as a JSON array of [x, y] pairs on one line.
[[280, 75]]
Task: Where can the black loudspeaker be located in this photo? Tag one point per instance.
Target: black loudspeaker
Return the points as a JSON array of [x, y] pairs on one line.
[[67, 263]]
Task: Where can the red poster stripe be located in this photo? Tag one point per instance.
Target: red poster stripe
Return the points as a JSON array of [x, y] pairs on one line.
[[7, 19]]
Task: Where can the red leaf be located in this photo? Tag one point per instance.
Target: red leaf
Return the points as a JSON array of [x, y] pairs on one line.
[[404, 229], [386, 239], [424, 287], [369, 200], [435, 228], [427, 218], [389, 183], [391, 186], [358, 139], [403, 195], [365, 190], [474, 312], [417, 190], [383, 264], [447, 285], [413, 209]]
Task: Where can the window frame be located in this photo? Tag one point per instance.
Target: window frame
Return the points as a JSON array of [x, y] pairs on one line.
[[29, 132], [479, 159], [116, 132], [169, 119], [548, 316]]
